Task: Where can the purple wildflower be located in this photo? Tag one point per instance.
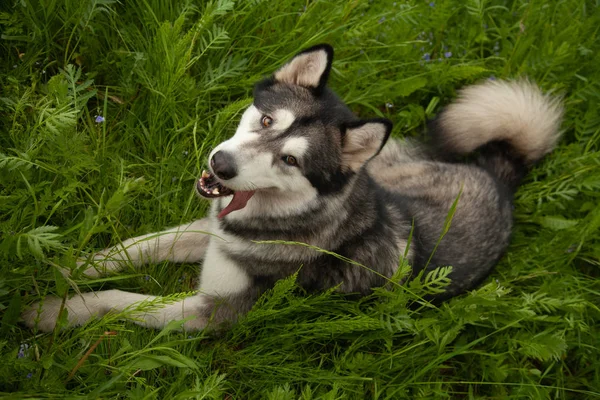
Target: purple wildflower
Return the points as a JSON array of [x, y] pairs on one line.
[[448, 54], [147, 278], [432, 4], [30, 375], [493, 78], [99, 119], [426, 57]]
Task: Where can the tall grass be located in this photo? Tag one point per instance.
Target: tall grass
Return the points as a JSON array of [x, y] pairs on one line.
[[108, 109]]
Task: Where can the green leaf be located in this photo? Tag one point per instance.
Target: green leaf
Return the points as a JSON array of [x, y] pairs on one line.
[[410, 85], [147, 362], [11, 314], [557, 223]]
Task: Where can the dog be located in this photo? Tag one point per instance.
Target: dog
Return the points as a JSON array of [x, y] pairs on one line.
[[301, 167]]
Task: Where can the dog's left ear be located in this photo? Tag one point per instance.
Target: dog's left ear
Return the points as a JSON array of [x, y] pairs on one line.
[[309, 68], [363, 140]]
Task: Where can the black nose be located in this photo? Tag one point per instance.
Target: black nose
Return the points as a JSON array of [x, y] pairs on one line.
[[223, 165]]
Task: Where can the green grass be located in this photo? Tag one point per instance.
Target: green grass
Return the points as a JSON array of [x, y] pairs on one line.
[[170, 78]]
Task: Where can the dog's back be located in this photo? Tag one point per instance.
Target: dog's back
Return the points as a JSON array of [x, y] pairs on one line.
[[509, 126]]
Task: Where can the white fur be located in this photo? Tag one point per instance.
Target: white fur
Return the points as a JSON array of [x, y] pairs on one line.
[[515, 111], [282, 119], [295, 146], [220, 276], [86, 306], [246, 132], [304, 70], [250, 129], [185, 243]]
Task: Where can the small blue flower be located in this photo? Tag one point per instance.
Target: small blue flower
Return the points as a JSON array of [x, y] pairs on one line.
[[29, 375], [99, 119], [381, 20], [432, 4], [426, 57], [448, 54], [493, 78], [147, 278]]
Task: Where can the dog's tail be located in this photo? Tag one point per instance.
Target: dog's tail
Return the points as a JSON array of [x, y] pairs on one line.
[[511, 124]]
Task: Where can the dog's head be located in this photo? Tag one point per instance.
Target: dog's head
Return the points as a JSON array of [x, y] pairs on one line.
[[297, 140]]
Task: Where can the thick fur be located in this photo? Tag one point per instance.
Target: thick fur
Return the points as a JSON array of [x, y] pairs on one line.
[[348, 190]]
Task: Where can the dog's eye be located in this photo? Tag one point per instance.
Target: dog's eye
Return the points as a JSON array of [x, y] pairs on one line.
[[266, 121], [290, 160]]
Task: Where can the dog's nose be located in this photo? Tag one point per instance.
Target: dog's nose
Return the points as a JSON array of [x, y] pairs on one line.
[[223, 165]]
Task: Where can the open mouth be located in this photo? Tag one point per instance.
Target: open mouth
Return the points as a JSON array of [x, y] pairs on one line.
[[209, 186]]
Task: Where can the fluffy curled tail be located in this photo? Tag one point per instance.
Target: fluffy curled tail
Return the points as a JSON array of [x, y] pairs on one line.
[[512, 124]]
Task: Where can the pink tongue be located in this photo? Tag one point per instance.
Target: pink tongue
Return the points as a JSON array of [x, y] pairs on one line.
[[237, 203]]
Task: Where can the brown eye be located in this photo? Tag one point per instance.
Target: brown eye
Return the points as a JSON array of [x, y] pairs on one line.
[[290, 160], [266, 121]]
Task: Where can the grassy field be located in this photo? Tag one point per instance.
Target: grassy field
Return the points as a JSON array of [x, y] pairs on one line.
[[108, 110]]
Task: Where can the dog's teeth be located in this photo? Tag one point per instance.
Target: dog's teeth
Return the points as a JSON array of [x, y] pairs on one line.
[[215, 191], [205, 174]]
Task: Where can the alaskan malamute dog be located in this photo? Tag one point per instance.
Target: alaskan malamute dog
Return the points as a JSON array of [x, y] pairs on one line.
[[302, 167]]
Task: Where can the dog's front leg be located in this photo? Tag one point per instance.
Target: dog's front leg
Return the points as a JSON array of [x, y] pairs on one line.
[[149, 311], [184, 243], [229, 290], [226, 292]]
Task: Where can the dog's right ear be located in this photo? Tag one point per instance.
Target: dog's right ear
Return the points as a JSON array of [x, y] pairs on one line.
[[309, 69], [363, 140]]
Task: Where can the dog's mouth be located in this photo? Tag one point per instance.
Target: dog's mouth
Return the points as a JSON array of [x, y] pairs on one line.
[[208, 186]]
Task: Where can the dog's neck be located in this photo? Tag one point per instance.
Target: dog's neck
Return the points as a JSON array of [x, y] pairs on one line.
[[274, 217]]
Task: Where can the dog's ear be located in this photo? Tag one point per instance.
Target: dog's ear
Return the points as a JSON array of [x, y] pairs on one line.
[[309, 68], [363, 140]]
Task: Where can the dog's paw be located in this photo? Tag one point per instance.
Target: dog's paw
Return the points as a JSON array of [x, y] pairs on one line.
[[45, 314]]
